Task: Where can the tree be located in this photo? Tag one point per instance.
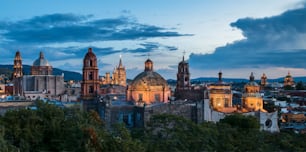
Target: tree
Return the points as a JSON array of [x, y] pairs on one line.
[[241, 121], [300, 86]]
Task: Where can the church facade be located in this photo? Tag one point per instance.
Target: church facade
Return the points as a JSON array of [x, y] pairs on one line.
[[41, 83]]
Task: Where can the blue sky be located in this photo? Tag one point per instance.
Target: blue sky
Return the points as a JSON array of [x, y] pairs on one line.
[[234, 36]]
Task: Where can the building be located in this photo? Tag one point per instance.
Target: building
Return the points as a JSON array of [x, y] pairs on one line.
[[183, 77], [41, 66], [251, 98], [90, 83], [288, 80], [148, 87], [17, 75], [220, 95], [17, 66], [41, 84], [118, 77], [184, 90], [263, 81]]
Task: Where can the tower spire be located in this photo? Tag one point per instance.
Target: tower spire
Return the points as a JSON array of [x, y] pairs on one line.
[[220, 76], [120, 61], [252, 77], [184, 52], [41, 55]]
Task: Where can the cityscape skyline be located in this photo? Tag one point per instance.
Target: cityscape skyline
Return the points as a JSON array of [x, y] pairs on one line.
[[235, 39]]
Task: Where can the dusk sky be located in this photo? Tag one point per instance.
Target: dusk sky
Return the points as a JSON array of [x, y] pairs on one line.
[[235, 36]]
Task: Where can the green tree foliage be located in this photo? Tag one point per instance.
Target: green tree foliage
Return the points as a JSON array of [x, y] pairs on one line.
[[50, 128], [300, 86], [242, 122]]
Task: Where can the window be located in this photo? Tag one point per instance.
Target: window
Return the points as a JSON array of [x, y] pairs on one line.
[[157, 97], [186, 79], [90, 76], [90, 63], [91, 89], [268, 123], [226, 102], [140, 96]]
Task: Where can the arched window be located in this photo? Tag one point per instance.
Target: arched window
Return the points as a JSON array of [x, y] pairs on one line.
[[90, 76], [91, 89]]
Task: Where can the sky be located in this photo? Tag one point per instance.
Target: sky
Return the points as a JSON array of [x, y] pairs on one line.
[[236, 37]]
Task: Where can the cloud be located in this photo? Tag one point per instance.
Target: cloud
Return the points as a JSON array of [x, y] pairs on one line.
[[60, 28], [277, 41]]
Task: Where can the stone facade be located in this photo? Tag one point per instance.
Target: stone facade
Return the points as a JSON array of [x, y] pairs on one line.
[[43, 86], [116, 111]]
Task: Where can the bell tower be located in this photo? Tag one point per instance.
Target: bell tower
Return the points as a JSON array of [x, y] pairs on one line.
[[17, 66], [90, 82], [251, 98], [17, 74], [183, 76], [263, 81], [121, 74]]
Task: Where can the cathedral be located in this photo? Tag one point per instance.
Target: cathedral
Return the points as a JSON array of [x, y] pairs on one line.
[[118, 77], [148, 87], [41, 83]]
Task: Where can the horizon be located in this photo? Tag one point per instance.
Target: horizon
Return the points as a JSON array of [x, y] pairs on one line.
[[205, 77], [216, 36]]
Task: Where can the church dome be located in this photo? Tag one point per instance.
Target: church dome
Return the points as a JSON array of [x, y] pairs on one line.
[[41, 61], [148, 87], [146, 79]]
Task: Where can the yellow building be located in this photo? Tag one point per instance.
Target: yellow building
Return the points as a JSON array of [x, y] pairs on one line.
[[148, 87], [251, 98], [118, 77], [220, 95]]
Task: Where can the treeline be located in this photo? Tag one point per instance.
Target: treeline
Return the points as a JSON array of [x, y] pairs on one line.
[[50, 128]]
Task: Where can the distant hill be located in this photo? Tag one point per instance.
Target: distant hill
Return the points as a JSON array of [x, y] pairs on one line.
[[237, 80], [68, 75]]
